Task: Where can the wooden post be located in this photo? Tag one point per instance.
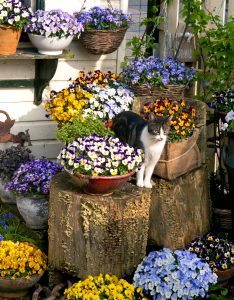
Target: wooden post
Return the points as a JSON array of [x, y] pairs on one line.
[[92, 234]]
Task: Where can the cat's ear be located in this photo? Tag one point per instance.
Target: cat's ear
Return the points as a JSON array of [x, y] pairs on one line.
[[169, 119]]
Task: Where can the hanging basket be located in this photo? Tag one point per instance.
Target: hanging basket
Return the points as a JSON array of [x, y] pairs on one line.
[[222, 218], [102, 41], [168, 91], [179, 158]]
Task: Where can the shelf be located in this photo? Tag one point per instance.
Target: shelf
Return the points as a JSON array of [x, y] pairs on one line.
[[45, 68]]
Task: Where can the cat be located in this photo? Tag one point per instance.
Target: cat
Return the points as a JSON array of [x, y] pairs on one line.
[[150, 136]]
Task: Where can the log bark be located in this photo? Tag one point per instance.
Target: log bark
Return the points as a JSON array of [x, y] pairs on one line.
[[91, 234], [180, 210]]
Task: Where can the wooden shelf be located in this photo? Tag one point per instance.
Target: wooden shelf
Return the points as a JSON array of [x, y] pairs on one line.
[[45, 68]]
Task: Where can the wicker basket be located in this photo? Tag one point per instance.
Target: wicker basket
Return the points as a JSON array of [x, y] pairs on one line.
[[102, 41], [169, 91], [222, 218], [179, 158]]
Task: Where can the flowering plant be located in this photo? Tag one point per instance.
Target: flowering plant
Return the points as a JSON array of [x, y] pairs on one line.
[[174, 275], [10, 160], [13, 13], [34, 177], [222, 101], [53, 23], [182, 123], [218, 252], [100, 156], [103, 19], [67, 104], [154, 71], [229, 122], [96, 76], [21, 260], [103, 287]]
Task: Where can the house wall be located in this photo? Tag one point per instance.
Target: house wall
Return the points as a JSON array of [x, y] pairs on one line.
[[18, 102]]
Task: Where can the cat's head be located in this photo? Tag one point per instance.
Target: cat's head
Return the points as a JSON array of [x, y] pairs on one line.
[[159, 126]]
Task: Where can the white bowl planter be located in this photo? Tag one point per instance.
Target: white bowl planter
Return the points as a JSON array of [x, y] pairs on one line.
[[50, 45]]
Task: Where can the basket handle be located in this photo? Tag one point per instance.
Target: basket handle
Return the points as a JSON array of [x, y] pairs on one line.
[[108, 3], [6, 114]]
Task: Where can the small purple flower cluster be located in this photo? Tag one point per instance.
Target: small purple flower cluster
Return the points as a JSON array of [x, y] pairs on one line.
[[103, 19], [12, 12], [53, 23], [218, 252], [154, 71], [100, 156], [222, 101], [174, 275], [34, 177], [5, 220]]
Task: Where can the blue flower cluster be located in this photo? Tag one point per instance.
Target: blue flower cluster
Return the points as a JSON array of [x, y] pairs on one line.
[[34, 177], [103, 19], [153, 71], [53, 23], [4, 223], [174, 275]]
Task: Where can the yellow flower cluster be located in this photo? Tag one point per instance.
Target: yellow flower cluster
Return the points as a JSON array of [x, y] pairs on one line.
[[21, 259], [182, 123], [67, 104], [103, 287], [96, 76]]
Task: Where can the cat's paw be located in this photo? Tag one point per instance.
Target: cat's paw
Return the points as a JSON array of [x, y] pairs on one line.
[[140, 183], [148, 185]]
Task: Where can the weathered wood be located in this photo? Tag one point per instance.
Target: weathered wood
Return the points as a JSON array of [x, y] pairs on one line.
[[89, 234], [180, 210]]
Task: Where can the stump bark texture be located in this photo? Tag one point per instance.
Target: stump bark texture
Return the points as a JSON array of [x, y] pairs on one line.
[[91, 234], [180, 210]]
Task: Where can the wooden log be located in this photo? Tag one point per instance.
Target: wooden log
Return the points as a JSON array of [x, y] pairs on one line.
[[92, 234], [180, 209]]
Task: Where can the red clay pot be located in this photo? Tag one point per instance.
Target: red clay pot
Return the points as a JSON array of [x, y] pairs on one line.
[[9, 37]]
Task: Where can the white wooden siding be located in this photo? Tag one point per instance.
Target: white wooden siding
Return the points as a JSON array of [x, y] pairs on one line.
[[18, 102]]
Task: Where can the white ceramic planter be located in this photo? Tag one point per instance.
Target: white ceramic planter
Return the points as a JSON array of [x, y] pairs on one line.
[[6, 196], [34, 210], [50, 45]]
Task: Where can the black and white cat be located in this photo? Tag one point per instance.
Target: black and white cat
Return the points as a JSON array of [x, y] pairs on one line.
[[149, 135]]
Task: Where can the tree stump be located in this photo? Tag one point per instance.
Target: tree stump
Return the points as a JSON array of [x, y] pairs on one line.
[[92, 234], [180, 210]]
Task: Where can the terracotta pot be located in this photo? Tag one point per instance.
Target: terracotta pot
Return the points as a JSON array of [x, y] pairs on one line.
[[34, 210], [13, 288], [224, 276], [102, 185], [9, 37]]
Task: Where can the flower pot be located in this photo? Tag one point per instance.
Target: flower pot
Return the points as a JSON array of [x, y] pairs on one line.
[[178, 158], [9, 37], [5, 195], [224, 276], [102, 41], [34, 210], [50, 45], [101, 185], [19, 287]]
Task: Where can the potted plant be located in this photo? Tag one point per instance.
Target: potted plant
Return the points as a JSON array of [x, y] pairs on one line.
[[218, 252], [181, 153], [10, 160], [13, 17], [52, 31], [103, 287], [31, 183], [161, 77], [22, 264], [101, 164], [104, 29], [180, 274], [81, 127]]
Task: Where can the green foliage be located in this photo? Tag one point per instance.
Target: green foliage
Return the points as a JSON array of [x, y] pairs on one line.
[[215, 47], [82, 127], [217, 292]]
